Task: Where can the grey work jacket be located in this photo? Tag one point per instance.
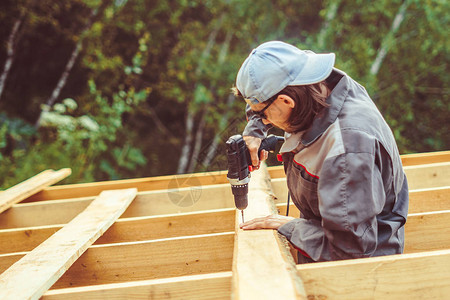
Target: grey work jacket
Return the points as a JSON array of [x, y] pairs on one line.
[[346, 177]]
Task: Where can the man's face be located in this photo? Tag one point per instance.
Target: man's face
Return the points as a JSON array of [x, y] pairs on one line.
[[276, 113]]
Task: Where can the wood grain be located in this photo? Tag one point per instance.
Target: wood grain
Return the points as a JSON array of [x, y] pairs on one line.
[[32, 275], [203, 286], [262, 265], [30, 187], [424, 275]]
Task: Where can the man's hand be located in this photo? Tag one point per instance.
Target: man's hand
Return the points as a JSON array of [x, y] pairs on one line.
[[253, 144], [268, 222]]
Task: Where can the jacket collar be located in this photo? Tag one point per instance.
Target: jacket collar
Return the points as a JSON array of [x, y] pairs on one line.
[[295, 141]]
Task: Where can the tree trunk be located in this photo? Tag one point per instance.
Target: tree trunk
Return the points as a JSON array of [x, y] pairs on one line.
[[388, 39], [70, 63], [61, 83], [330, 15], [218, 136], [10, 51], [184, 156], [186, 150], [197, 142], [199, 135]]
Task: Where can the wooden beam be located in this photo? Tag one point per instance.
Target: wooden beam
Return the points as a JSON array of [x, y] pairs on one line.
[[187, 180], [24, 239], [204, 286], [168, 226], [43, 213], [431, 199], [133, 261], [425, 158], [279, 187], [424, 231], [146, 203], [428, 176], [419, 177], [35, 273], [421, 200], [427, 231], [262, 265], [171, 182], [407, 160], [412, 276], [31, 186], [219, 196], [135, 229], [129, 229], [293, 210]]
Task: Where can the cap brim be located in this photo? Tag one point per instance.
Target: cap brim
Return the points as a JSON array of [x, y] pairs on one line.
[[317, 68]]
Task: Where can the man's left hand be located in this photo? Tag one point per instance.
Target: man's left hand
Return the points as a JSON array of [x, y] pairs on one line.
[[268, 222]]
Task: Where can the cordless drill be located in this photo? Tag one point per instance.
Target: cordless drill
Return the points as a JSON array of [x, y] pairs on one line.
[[239, 161]]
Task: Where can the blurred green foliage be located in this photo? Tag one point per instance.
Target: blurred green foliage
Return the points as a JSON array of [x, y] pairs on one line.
[[152, 82]]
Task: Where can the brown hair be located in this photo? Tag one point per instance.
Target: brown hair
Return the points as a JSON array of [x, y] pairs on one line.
[[309, 102]]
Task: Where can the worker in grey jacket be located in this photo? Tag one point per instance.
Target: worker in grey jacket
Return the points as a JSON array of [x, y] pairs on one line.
[[342, 164]]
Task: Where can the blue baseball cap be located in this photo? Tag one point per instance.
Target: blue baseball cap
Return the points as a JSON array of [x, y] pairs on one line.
[[274, 65]]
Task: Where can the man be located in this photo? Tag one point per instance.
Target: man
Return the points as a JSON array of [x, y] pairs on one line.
[[343, 169]]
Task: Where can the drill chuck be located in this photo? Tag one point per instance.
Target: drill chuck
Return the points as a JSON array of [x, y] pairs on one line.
[[240, 193]]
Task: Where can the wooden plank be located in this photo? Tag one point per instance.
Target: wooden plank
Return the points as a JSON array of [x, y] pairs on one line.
[[129, 229], [24, 239], [174, 183], [424, 275], [262, 265], [188, 180], [115, 263], [146, 203], [419, 177], [159, 202], [31, 186], [279, 187], [407, 160], [168, 226], [32, 275], [421, 200], [293, 210], [427, 200], [428, 176], [135, 229], [427, 231], [424, 231], [92, 189], [207, 286], [43, 213], [425, 158]]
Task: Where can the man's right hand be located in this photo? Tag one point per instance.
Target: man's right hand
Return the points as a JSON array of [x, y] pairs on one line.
[[253, 144]]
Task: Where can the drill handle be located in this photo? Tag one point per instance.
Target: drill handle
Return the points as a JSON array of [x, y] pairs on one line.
[[270, 143]]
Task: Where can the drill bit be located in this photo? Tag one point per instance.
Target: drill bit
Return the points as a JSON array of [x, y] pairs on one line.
[[242, 211]]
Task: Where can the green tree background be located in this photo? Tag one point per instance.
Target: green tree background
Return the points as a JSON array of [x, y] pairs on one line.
[[134, 88]]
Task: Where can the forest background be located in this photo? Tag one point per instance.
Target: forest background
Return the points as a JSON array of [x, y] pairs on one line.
[[124, 89]]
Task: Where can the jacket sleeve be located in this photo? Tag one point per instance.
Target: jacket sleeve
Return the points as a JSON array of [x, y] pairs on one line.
[[351, 195], [255, 127]]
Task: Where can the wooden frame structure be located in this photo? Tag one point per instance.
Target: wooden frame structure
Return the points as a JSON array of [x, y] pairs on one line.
[[179, 239]]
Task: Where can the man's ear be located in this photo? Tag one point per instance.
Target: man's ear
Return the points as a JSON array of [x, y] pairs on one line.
[[286, 100]]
